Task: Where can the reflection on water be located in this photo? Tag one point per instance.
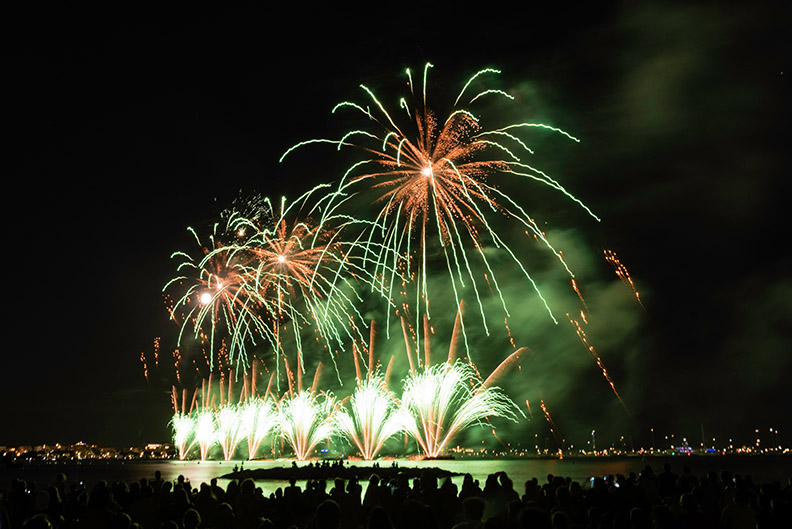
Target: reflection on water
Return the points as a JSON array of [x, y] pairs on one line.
[[761, 468]]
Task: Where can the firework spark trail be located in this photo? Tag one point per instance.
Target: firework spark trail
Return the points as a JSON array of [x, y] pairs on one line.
[[183, 430], [261, 419], [553, 428], [373, 417], [528, 405], [431, 188], [584, 339], [231, 429], [145, 366], [277, 267], [219, 415], [440, 401], [305, 420], [291, 260], [622, 274], [445, 399], [510, 363], [307, 274], [218, 297], [176, 361], [580, 296], [205, 432], [182, 424]]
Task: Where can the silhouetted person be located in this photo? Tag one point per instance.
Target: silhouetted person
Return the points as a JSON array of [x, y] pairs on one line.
[[157, 482], [740, 513], [374, 494], [120, 520], [417, 515], [473, 509], [328, 515], [379, 519], [146, 509], [38, 521], [191, 519], [225, 516], [560, 520], [534, 518], [470, 488], [248, 504], [99, 511], [639, 519], [667, 481]]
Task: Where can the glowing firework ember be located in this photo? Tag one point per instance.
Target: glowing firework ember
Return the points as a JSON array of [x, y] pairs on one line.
[[373, 417], [623, 274], [305, 420], [445, 399], [431, 187]]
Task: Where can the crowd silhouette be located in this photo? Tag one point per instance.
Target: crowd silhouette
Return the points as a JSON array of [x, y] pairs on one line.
[[646, 500]]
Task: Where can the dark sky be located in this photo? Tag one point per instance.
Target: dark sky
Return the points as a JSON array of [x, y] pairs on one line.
[[125, 127]]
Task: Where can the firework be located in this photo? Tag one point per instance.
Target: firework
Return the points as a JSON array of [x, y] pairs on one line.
[[305, 419], [231, 429], [445, 399], [585, 341], [183, 431], [440, 401], [432, 190], [290, 276], [205, 431], [373, 416], [259, 418], [220, 298], [302, 272], [286, 267], [553, 428], [623, 274], [182, 423]]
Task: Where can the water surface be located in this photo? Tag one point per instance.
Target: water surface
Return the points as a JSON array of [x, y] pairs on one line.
[[760, 468]]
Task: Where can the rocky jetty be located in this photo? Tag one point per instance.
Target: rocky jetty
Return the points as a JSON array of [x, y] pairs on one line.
[[336, 470]]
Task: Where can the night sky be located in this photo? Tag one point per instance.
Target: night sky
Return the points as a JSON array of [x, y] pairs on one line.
[[123, 128]]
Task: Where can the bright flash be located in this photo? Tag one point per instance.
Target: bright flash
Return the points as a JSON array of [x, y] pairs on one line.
[[281, 258], [206, 298], [427, 171]]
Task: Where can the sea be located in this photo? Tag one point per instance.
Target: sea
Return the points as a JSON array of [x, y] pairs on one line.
[[761, 468]]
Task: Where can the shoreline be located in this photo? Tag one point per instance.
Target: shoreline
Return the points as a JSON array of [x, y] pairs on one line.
[[336, 471], [391, 459]]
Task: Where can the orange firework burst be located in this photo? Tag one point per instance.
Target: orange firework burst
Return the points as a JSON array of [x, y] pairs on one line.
[[303, 273], [289, 257], [220, 297], [436, 178], [432, 191], [269, 270]]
